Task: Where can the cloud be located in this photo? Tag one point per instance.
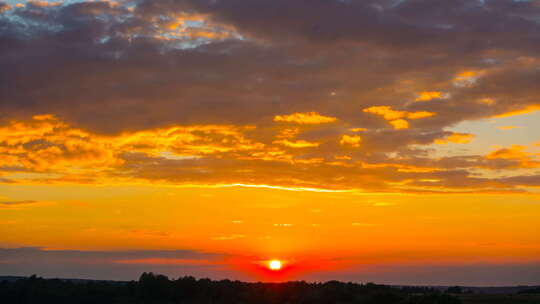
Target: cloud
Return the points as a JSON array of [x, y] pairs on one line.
[[120, 265], [365, 225], [396, 118], [36, 254], [180, 55], [224, 155], [399, 124], [514, 152], [228, 237], [16, 203], [283, 225], [527, 181], [48, 144], [463, 274], [517, 154], [288, 133], [4, 7], [353, 141], [467, 78], [165, 261], [507, 128], [210, 93], [358, 129], [297, 143], [429, 95], [305, 118], [527, 110], [45, 143], [455, 138], [386, 112]]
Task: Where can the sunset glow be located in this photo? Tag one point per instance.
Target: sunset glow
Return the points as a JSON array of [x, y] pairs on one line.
[[271, 140]]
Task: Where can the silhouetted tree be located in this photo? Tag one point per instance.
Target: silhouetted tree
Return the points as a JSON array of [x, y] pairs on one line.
[[158, 289], [455, 290]]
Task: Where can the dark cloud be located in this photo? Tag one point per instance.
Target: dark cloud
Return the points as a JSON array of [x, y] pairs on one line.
[[54, 256], [111, 264], [394, 24], [4, 7], [110, 68], [17, 203], [472, 274], [529, 180]]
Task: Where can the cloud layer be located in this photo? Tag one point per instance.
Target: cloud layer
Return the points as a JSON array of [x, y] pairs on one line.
[[344, 95]]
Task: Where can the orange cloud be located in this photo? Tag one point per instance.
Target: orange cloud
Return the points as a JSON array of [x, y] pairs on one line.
[[191, 27], [466, 74], [430, 95], [526, 110], [399, 167], [456, 138], [386, 112], [354, 140], [487, 101], [297, 143], [53, 151], [44, 3], [397, 118], [305, 118], [195, 33], [47, 144], [467, 78], [399, 124], [506, 128], [288, 133], [365, 225], [190, 140], [228, 237], [419, 115], [4, 7], [180, 21], [516, 153]]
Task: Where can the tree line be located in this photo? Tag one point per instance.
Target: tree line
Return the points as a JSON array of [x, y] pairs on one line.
[[159, 289]]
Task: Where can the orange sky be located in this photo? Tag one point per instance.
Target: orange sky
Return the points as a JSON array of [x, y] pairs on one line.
[[208, 138]]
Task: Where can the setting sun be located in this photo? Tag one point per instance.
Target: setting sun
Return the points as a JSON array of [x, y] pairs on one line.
[[274, 265]]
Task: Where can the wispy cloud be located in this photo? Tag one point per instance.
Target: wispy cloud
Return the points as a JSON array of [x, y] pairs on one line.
[[305, 118], [18, 203]]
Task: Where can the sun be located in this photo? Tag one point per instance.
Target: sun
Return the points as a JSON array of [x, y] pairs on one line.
[[274, 265]]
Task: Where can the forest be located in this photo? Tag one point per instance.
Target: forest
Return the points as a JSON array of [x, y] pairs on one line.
[[159, 289]]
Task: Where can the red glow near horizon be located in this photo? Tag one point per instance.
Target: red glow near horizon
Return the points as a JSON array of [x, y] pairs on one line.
[[290, 269]]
